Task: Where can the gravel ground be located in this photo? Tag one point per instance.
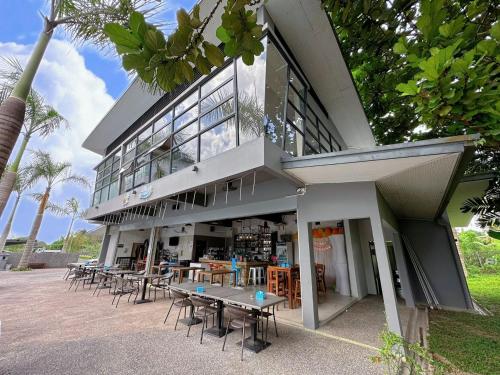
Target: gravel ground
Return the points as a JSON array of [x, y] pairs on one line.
[[46, 329]]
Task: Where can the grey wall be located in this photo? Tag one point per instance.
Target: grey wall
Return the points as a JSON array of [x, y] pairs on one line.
[[51, 260], [439, 258]]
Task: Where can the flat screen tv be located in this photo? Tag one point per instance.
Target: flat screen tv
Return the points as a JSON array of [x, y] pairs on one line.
[[173, 241]]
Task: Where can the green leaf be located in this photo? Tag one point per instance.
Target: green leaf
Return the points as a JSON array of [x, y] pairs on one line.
[[203, 65], [121, 36], [487, 46], [399, 48], [165, 77], [187, 70], [213, 54], [231, 48], [137, 23], [495, 31], [222, 34], [134, 62], [445, 110], [183, 19], [408, 89], [146, 75], [248, 58], [154, 40]]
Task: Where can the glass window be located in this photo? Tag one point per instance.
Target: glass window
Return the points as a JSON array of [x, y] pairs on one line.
[[312, 141], [324, 142], [99, 175], [297, 101], [128, 181], [109, 162], [225, 109], [276, 86], [217, 96], [186, 118], [295, 118], [163, 121], [308, 150], [145, 134], [251, 90], [130, 145], [141, 175], [160, 167], [144, 146], [186, 103], [186, 133], [113, 189], [294, 141], [184, 155], [297, 84], [218, 139], [224, 75], [104, 193], [97, 197], [143, 159]]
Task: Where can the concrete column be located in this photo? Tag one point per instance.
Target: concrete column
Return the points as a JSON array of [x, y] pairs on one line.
[[350, 238], [114, 240], [307, 275], [151, 249], [403, 270], [104, 245], [386, 281]]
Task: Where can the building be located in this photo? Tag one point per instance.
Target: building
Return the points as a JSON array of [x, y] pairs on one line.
[[281, 147]]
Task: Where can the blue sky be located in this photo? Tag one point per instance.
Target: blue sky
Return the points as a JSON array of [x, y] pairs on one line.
[[82, 83]]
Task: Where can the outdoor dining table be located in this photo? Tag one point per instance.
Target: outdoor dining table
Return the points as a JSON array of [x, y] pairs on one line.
[[181, 269], [236, 296], [145, 277]]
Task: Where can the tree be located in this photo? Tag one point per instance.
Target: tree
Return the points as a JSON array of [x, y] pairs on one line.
[[72, 209], [52, 173], [163, 62], [22, 183], [84, 21], [41, 119]]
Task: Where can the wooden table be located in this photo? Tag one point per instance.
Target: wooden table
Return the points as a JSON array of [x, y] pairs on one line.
[[181, 269], [212, 273], [289, 272]]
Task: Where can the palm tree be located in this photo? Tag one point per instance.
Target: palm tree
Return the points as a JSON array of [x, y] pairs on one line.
[[83, 20], [41, 119], [22, 183], [71, 208], [52, 173]]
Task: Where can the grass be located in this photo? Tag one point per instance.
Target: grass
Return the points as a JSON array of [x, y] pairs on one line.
[[471, 342]]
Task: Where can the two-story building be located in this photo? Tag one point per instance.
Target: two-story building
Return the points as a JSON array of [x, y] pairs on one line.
[[251, 160]]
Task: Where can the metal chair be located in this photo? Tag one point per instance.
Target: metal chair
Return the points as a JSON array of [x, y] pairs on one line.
[[124, 287], [79, 276], [202, 309], [182, 302], [238, 319], [161, 283]]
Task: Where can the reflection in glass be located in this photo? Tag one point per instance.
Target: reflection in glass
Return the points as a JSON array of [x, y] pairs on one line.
[[144, 146], [294, 141], [296, 100], [312, 142], [218, 139], [295, 118], [184, 155], [160, 167], [127, 182], [141, 175], [185, 134], [128, 156], [187, 117], [163, 121], [217, 80], [225, 109], [297, 84], [186, 103], [113, 189], [161, 135], [146, 133], [251, 90], [217, 96]]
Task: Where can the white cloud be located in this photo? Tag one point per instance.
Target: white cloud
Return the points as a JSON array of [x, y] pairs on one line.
[[75, 91]]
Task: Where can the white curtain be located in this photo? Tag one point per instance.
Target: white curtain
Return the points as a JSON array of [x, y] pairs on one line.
[[340, 264]]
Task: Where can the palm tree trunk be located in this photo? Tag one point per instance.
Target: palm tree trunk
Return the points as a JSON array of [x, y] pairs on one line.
[[28, 248], [9, 179], [6, 230], [13, 109], [66, 240]]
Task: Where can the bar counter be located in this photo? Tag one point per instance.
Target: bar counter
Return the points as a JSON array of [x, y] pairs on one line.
[[245, 266]]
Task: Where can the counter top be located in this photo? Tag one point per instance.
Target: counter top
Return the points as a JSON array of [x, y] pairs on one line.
[[249, 263]]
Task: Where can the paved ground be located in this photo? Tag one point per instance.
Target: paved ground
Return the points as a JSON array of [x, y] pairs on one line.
[[47, 330]]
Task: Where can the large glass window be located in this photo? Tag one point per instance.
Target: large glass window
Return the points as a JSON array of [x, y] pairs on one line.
[[186, 118], [216, 81], [294, 141], [218, 139], [160, 167], [107, 175], [218, 113], [184, 155], [141, 175]]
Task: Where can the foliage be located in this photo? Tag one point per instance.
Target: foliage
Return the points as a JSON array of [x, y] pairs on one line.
[[470, 341], [166, 62], [80, 242], [399, 356], [20, 269], [481, 253], [430, 62], [487, 208]]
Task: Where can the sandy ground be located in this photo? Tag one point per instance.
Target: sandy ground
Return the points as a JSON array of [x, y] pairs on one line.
[[46, 329]]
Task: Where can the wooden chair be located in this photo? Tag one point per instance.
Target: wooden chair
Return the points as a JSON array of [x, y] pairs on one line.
[[320, 277], [216, 267], [276, 282], [297, 296]]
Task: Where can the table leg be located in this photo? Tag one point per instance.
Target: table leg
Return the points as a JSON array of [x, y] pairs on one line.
[[143, 296], [253, 343], [189, 321], [219, 330]]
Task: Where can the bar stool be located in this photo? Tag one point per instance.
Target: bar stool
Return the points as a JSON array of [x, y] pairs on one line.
[[235, 277], [257, 275]]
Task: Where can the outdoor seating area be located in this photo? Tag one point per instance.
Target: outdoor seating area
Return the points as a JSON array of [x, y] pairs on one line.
[[231, 307]]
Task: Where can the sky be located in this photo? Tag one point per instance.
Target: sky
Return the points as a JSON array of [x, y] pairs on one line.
[[79, 81]]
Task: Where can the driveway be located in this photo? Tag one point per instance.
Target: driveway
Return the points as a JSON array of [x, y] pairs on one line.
[[46, 329]]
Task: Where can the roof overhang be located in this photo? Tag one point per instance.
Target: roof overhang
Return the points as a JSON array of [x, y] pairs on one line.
[[416, 179], [308, 33]]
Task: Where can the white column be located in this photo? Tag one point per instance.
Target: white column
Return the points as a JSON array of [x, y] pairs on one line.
[[151, 249], [104, 245], [309, 294], [386, 280], [111, 253]]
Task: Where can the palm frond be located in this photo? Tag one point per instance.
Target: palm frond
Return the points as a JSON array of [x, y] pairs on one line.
[[487, 207], [50, 206]]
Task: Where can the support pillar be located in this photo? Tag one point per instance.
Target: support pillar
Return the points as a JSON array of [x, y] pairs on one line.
[[114, 240], [104, 245], [151, 249], [386, 280], [309, 293]]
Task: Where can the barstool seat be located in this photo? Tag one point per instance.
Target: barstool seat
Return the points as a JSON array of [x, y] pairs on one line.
[[257, 275]]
